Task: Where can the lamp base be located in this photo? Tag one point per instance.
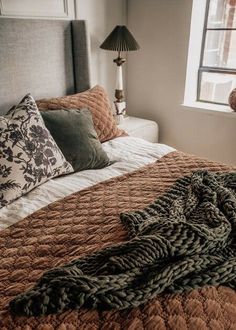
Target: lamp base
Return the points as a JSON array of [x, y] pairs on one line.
[[119, 119], [120, 108]]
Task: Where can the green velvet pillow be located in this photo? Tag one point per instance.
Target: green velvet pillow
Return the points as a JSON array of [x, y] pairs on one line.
[[75, 135]]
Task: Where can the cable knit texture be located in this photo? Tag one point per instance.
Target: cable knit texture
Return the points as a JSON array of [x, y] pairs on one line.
[[97, 102], [184, 240], [88, 221]]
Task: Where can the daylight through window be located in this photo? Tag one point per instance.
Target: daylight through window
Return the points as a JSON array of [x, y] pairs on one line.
[[217, 72]]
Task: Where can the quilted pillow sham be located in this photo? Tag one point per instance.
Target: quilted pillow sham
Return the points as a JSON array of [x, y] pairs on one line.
[[28, 154], [74, 133], [95, 100]]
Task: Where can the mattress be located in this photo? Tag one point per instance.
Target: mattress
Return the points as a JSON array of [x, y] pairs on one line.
[[126, 154]]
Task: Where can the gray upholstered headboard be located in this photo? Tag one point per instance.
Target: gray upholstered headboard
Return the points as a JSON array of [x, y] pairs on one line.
[[43, 57]]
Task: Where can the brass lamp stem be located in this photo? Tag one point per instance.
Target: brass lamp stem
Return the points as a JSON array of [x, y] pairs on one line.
[[119, 61], [119, 92]]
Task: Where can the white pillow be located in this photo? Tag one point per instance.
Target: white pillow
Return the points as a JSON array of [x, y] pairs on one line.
[[29, 156]]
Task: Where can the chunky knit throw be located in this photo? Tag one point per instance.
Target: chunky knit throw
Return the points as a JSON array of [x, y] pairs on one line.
[[185, 240]]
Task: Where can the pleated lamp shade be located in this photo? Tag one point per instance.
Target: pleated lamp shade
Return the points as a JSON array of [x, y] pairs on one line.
[[121, 40]]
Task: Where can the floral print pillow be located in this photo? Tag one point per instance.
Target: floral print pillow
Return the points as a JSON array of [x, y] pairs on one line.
[[29, 156]]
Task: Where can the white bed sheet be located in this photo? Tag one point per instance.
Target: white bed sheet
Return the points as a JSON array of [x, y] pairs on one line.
[[128, 154]]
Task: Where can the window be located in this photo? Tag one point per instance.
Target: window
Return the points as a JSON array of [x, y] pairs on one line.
[[217, 71]]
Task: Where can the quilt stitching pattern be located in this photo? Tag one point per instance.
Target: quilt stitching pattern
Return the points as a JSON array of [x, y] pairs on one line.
[[89, 220]]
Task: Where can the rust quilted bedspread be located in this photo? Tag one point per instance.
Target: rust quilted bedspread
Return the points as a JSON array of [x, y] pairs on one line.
[[87, 221]]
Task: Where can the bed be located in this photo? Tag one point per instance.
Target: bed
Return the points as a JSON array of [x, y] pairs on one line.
[[71, 216]]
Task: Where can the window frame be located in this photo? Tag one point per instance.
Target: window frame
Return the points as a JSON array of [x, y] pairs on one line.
[[211, 69]]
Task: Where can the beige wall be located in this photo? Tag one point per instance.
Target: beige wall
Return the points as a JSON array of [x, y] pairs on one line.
[[58, 9], [102, 17], [156, 80]]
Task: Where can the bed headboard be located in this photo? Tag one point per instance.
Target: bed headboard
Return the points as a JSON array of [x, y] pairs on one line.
[[43, 57]]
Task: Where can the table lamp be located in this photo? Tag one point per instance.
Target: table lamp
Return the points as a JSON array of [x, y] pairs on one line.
[[120, 40]]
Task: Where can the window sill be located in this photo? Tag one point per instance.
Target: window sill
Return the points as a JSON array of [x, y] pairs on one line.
[[211, 109]]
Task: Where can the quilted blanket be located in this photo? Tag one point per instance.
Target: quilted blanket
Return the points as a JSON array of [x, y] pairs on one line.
[[87, 221], [184, 240]]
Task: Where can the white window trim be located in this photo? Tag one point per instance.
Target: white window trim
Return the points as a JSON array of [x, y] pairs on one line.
[[194, 55]]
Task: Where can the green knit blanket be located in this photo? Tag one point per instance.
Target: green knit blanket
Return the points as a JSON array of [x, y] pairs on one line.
[[185, 240]]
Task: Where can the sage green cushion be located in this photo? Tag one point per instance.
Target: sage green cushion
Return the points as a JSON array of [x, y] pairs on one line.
[[74, 133]]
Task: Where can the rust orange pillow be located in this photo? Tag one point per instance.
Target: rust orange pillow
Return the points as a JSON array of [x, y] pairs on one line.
[[96, 100]]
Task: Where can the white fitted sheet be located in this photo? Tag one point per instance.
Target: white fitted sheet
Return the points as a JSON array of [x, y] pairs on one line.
[[128, 154]]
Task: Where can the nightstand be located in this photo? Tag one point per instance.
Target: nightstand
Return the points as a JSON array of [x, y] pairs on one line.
[[141, 128]]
